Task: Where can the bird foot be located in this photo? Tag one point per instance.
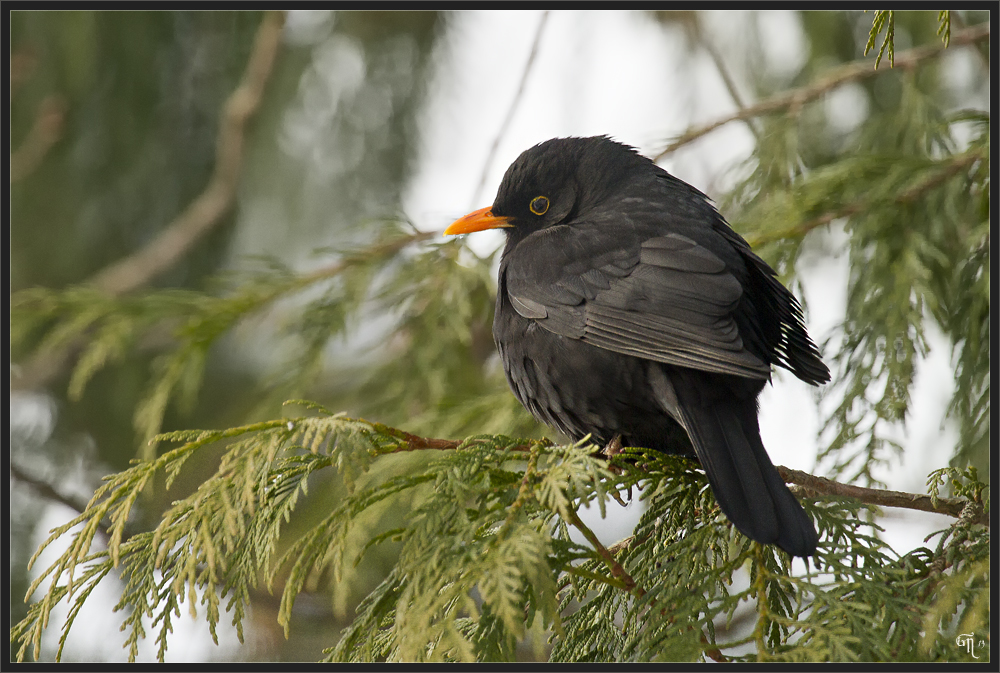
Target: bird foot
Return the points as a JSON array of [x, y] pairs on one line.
[[612, 448]]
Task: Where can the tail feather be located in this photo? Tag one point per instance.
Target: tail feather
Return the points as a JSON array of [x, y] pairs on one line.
[[746, 484]]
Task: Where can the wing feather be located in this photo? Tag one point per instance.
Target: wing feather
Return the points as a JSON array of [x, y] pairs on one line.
[[664, 297]]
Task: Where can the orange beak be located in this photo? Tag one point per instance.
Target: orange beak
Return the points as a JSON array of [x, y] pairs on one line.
[[477, 221]]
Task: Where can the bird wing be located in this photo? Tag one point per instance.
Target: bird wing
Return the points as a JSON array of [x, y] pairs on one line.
[[663, 297]]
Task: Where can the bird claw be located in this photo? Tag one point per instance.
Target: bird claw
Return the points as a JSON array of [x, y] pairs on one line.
[[612, 448]]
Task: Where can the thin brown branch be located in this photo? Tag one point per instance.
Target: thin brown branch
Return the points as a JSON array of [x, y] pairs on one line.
[[857, 70], [415, 443], [955, 165], [624, 544], [411, 442], [714, 653], [207, 210], [23, 62], [616, 568], [955, 507], [44, 133], [47, 491], [723, 70], [377, 250], [608, 555], [814, 485], [515, 102], [204, 213]]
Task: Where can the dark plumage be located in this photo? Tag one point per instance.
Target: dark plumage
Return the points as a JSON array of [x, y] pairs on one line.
[[627, 306]]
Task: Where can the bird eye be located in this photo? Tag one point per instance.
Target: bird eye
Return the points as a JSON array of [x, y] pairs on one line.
[[539, 205]]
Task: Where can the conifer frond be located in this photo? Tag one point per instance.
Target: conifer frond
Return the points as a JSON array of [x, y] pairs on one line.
[[189, 323], [884, 18], [900, 201], [486, 555]]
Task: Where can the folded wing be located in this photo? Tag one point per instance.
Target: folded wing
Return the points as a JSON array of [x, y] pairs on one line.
[[665, 297]]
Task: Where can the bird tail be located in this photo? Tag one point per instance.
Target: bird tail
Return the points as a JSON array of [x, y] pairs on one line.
[[751, 493]]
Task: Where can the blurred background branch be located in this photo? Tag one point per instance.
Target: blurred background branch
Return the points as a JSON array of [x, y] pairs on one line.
[[201, 215], [205, 211], [44, 133], [796, 98], [511, 109]]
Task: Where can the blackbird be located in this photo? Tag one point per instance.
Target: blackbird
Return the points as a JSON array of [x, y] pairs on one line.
[[628, 309]]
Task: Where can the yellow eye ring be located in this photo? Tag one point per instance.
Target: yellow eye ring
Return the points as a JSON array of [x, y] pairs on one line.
[[539, 205]]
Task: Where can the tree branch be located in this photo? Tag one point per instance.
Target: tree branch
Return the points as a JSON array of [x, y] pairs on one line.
[[206, 211], [203, 214], [513, 108], [616, 568], [720, 65], [956, 507], [47, 491], [44, 133], [813, 485], [857, 70]]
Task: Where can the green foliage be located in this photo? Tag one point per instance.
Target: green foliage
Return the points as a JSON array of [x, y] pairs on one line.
[[944, 26], [485, 550], [963, 483], [914, 203], [487, 557], [687, 563], [110, 328], [884, 18]]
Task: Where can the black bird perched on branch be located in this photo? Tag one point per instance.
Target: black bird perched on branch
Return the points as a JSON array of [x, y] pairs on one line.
[[627, 307]]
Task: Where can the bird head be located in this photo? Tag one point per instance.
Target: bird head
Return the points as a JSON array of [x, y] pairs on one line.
[[559, 180]]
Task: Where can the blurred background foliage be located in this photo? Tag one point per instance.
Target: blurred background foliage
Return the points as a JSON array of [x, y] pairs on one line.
[[315, 284]]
